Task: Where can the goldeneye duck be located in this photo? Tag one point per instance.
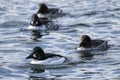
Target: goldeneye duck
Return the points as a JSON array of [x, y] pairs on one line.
[[39, 57], [37, 23], [44, 11], [91, 45]]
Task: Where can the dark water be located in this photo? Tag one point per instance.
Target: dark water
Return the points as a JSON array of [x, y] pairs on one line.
[[98, 18]]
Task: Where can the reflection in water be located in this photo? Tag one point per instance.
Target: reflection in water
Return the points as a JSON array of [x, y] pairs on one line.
[[36, 78], [40, 78], [37, 69], [86, 55], [40, 72], [98, 18], [36, 34]]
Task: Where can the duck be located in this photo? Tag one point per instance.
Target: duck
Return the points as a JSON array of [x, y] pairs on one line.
[[88, 44], [38, 23], [42, 23], [44, 11], [39, 57]]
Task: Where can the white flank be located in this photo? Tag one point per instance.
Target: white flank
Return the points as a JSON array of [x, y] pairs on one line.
[[42, 15], [32, 28], [49, 61], [43, 27]]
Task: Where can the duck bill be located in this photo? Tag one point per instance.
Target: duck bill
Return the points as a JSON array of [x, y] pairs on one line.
[[30, 56]]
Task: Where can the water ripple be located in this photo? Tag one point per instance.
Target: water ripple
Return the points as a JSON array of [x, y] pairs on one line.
[[99, 19]]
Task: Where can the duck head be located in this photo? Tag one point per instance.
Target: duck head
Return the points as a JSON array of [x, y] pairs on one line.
[[37, 54], [35, 20], [85, 41], [43, 9]]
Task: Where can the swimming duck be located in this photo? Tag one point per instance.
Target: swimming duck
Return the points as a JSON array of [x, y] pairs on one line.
[[38, 23], [90, 45], [39, 57], [43, 23], [44, 11]]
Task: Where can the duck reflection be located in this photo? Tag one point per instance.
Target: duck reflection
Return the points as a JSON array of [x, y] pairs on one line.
[[39, 72], [40, 78], [37, 69], [86, 55], [36, 34]]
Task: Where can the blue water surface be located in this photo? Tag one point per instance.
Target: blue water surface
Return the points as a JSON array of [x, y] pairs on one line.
[[100, 19]]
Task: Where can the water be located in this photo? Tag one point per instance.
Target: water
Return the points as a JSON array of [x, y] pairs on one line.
[[98, 18]]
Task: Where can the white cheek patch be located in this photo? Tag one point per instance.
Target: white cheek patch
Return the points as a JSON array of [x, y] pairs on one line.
[[31, 22], [34, 55]]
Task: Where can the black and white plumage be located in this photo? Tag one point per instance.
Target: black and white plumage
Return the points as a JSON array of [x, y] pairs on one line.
[[44, 11], [39, 57], [43, 23]]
